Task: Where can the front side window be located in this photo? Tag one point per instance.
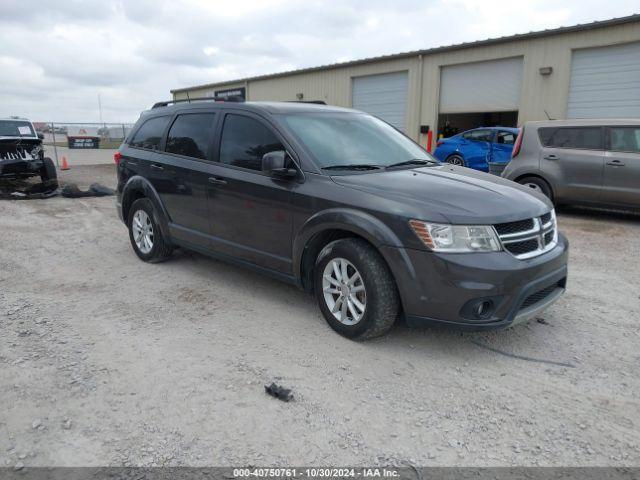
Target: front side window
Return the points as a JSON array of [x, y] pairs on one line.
[[149, 135], [505, 138], [352, 138], [479, 136], [571, 137], [244, 142], [190, 135], [625, 139]]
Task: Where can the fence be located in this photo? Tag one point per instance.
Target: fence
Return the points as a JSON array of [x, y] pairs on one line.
[[82, 143]]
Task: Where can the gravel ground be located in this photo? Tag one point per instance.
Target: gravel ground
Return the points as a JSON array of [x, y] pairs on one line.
[[106, 360]]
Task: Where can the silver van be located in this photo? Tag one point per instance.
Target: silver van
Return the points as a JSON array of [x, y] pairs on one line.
[[589, 162]]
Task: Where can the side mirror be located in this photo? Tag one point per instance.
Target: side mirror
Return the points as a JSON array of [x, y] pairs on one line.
[[275, 164]]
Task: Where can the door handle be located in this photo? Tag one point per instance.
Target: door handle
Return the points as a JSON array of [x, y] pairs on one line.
[[616, 163], [155, 166], [217, 181], [551, 156]]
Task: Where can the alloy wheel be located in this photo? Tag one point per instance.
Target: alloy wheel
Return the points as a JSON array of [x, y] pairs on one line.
[[142, 231], [344, 291]]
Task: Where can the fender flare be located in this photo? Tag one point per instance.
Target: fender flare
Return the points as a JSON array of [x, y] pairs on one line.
[[355, 221], [138, 184]]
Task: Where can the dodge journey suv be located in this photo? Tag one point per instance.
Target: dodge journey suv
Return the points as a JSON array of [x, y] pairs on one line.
[[343, 205]]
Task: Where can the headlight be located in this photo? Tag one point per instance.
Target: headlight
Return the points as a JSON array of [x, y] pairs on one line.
[[457, 238]]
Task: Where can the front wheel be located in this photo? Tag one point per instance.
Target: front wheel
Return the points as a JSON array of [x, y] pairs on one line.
[[355, 289]]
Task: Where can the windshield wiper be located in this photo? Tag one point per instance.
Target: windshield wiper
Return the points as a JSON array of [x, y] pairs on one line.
[[414, 161], [353, 166]]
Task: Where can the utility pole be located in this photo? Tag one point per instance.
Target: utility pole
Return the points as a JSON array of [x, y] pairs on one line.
[[100, 107]]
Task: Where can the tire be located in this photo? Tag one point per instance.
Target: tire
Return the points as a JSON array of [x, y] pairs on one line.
[[456, 160], [48, 174], [537, 184], [143, 221], [378, 297]]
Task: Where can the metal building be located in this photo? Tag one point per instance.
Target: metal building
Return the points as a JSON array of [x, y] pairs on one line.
[[582, 71]]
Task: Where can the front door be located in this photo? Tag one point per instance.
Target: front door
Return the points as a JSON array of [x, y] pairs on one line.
[[621, 184], [250, 212]]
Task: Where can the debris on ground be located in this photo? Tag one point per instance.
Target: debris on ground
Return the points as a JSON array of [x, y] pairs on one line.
[[279, 392], [71, 190], [542, 321]]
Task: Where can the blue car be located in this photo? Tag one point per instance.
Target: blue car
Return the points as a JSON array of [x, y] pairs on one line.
[[476, 148]]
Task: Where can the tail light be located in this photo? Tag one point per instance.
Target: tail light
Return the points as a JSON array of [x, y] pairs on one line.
[[518, 144], [117, 157]]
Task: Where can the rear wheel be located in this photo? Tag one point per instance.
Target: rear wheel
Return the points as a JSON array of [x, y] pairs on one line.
[[456, 160], [145, 234], [537, 184], [355, 289]]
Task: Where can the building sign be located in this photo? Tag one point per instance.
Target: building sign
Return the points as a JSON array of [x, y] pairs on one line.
[[232, 92], [83, 142]]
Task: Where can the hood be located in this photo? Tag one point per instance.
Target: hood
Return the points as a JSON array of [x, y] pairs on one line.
[[452, 194]]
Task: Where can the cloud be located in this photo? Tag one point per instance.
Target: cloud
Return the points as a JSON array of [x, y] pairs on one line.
[[56, 57]]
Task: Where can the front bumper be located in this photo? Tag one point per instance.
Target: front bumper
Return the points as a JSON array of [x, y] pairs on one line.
[[443, 289], [20, 168]]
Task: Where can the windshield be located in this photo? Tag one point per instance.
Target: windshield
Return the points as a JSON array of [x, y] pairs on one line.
[[352, 139], [16, 128]]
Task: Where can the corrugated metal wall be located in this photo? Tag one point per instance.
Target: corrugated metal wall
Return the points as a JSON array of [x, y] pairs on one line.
[[539, 93]]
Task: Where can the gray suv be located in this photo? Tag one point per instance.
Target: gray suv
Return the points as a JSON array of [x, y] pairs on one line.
[[589, 162], [342, 205]]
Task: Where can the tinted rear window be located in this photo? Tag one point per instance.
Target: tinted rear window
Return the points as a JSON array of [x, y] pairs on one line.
[[190, 135], [149, 135], [571, 137]]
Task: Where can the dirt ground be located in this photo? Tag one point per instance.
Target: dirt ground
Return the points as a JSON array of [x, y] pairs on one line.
[[106, 360]]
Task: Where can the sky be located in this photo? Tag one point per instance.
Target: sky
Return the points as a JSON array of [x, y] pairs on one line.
[[56, 58]]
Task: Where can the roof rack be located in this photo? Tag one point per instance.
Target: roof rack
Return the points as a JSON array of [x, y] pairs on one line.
[[231, 98], [315, 102]]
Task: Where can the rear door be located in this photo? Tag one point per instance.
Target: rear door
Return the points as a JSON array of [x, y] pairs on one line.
[[574, 158], [502, 146], [476, 148], [181, 176], [622, 166], [251, 215]]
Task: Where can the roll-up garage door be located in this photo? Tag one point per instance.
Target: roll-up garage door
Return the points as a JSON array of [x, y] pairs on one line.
[[492, 86], [384, 96], [605, 82]]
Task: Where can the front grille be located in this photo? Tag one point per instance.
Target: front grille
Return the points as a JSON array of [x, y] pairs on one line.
[[545, 218], [530, 237], [514, 227], [538, 296], [520, 248]]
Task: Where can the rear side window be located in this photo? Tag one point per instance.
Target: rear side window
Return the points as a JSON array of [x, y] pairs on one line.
[[571, 137], [624, 139], [505, 138], [479, 136], [190, 135], [244, 142], [149, 135]]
